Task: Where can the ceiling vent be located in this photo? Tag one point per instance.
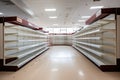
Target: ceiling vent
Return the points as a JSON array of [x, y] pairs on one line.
[[96, 0], [7, 2]]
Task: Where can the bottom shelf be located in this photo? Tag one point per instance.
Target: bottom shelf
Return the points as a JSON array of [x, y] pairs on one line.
[[22, 61], [95, 60], [25, 52], [103, 65]]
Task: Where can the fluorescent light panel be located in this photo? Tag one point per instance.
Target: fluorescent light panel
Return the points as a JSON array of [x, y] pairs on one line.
[[83, 17], [96, 7], [1, 13], [53, 9], [54, 69], [55, 24], [77, 24], [81, 20], [53, 17]]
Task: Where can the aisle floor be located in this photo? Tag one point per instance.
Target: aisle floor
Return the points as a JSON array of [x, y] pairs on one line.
[[60, 63]]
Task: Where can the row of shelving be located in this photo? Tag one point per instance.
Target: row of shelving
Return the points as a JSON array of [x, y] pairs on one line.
[[21, 45], [99, 40], [21, 42]]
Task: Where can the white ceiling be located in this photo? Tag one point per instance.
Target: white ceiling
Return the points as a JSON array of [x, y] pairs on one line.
[[9, 9], [68, 11]]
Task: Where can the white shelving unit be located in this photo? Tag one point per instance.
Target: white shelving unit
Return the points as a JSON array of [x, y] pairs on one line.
[[99, 40], [21, 43]]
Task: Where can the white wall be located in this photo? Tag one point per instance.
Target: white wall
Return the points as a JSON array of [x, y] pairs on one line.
[[60, 39]]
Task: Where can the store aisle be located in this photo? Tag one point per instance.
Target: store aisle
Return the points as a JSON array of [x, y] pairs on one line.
[[60, 63]]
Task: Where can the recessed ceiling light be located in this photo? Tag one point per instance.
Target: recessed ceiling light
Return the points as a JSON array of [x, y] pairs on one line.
[[54, 69], [1, 13], [77, 24], [50, 9], [55, 24], [85, 17], [53, 17], [81, 20], [96, 7]]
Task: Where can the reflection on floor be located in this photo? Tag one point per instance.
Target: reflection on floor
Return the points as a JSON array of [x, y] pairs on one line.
[[60, 63]]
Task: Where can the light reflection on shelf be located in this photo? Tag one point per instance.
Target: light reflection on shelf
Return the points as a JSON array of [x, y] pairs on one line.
[[81, 73]]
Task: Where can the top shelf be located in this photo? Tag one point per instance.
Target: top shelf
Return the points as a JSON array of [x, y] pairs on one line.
[[102, 13], [18, 21]]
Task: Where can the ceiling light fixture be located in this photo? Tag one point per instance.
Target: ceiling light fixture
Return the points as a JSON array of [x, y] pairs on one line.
[[77, 24], [96, 7], [83, 17], [1, 13], [53, 17], [50, 9], [54, 69], [55, 24]]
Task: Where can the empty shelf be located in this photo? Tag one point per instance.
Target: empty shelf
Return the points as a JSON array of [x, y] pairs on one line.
[[97, 24], [25, 53], [96, 32], [10, 33], [26, 34], [23, 47], [97, 53], [108, 20], [35, 40], [97, 61], [10, 40], [20, 62], [96, 45], [94, 38], [28, 30], [29, 35]]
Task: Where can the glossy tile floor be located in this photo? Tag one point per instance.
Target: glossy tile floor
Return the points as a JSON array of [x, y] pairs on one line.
[[60, 63]]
